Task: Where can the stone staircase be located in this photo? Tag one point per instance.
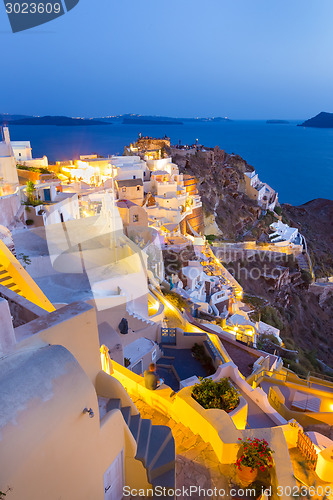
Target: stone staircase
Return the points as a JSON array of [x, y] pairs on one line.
[[155, 446], [135, 315], [305, 263], [7, 280]]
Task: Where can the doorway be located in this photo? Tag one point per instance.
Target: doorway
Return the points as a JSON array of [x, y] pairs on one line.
[[114, 479]]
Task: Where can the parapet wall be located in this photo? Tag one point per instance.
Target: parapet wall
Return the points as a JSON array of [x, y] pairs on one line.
[[9, 207]]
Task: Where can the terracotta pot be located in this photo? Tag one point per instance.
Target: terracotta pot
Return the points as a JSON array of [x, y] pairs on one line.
[[247, 475]]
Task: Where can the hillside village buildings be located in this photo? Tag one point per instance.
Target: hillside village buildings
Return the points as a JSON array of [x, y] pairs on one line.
[[96, 305], [259, 191], [8, 172]]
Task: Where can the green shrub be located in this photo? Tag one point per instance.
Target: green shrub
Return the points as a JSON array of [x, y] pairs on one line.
[[306, 277], [40, 170], [221, 394], [265, 338], [176, 300], [271, 316], [29, 222], [211, 237]]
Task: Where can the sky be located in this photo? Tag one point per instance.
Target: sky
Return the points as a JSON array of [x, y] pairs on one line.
[[245, 59]]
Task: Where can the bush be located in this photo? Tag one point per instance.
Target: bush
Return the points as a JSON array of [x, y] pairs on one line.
[[176, 300], [221, 394], [29, 222], [40, 170], [306, 277], [255, 454], [211, 237], [265, 339], [271, 316]]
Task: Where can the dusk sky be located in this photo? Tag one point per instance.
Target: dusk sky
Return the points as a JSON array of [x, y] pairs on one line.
[[245, 59]]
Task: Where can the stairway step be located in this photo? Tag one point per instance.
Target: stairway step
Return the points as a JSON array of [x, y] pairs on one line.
[[135, 426], [143, 441], [159, 436], [166, 480], [165, 462], [126, 411], [5, 279], [113, 404]]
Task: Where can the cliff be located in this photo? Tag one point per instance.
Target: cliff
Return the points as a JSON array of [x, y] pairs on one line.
[[315, 221], [228, 211], [279, 290]]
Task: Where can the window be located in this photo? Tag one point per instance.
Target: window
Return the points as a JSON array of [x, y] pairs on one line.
[[124, 190], [138, 188], [135, 218], [134, 177]]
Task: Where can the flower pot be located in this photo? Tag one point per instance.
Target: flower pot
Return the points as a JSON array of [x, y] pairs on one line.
[[247, 475]]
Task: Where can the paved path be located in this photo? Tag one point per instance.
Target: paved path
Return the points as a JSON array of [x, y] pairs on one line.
[[196, 462], [256, 418], [242, 358]]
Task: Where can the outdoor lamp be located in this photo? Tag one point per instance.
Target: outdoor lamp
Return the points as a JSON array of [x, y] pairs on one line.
[[89, 411]]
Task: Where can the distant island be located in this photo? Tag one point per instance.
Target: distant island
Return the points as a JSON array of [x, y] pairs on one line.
[[126, 119], [322, 120], [160, 120], [60, 121], [149, 121], [277, 122]]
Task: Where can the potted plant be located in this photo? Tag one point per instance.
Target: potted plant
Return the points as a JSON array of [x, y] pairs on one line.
[[255, 455], [220, 394]]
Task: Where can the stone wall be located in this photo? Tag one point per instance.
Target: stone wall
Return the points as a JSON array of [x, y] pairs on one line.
[[196, 220]]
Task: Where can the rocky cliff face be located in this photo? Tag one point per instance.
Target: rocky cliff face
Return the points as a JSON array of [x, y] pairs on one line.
[[315, 221], [304, 315], [220, 183], [280, 296]]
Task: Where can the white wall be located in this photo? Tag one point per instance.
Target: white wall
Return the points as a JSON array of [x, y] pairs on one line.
[[21, 150], [69, 208], [8, 171], [9, 207], [36, 162]]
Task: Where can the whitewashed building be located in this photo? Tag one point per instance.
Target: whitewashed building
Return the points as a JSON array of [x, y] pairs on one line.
[[8, 172]]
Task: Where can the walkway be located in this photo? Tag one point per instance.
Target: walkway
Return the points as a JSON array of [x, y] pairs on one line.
[[196, 462], [256, 417], [238, 353], [172, 319], [242, 358]]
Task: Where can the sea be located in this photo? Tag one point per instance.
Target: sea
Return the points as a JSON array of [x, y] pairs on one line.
[[296, 161]]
